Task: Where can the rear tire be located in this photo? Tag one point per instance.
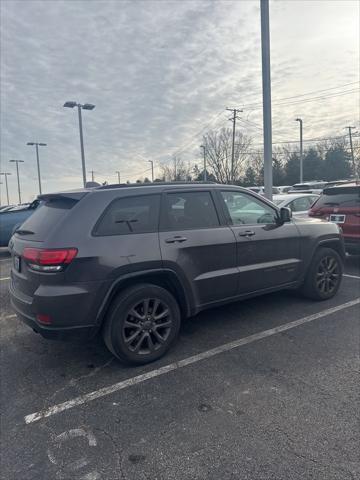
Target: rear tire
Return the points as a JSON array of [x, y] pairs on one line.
[[323, 278], [142, 324]]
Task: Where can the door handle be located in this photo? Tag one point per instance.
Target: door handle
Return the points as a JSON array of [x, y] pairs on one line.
[[176, 239], [247, 233]]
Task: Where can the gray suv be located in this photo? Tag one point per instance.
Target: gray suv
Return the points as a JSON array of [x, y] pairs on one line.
[[130, 261]]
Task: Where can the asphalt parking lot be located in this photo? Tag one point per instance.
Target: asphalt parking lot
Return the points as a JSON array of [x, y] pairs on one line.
[[263, 389]]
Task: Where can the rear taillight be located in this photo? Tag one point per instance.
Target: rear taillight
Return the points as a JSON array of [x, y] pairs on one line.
[[48, 260]]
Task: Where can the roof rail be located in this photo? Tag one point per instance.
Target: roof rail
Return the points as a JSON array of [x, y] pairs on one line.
[[149, 184]]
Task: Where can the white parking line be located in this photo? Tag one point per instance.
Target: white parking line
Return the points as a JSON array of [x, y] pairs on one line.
[[351, 276], [102, 392], [4, 278]]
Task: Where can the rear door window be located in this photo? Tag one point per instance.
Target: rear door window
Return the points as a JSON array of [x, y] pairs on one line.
[[130, 215], [189, 210]]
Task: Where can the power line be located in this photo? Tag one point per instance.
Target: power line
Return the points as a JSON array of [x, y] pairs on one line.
[[257, 106], [314, 91], [308, 140], [185, 146]]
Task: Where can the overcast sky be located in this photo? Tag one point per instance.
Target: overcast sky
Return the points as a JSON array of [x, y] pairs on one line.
[[159, 72]]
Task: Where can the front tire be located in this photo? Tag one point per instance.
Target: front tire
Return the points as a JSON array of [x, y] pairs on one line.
[[323, 278], [142, 324]]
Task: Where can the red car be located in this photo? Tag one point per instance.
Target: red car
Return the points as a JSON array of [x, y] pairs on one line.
[[341, 204]]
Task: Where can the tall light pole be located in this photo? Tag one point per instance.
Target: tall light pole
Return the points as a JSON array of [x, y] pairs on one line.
[[352, 149], [301, 150], [118, 175], [92, 175], [204, 153], [17, 173], [266, 87], [6, 185], [152, 170], [37, 145], [85, 106]]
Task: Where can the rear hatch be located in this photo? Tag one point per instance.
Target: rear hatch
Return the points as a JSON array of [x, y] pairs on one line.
[[34, 233], [342, 206]]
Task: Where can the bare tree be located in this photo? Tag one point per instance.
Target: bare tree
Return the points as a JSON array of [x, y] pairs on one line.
[[176, 170], [218, 145]]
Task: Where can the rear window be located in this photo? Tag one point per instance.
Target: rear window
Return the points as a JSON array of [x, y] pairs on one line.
[[46, 216], [129, 215], [339, 197]]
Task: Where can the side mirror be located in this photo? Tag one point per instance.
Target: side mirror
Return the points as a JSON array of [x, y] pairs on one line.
[[285, 215]]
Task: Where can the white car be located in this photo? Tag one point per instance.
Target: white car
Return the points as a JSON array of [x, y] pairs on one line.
[[299, 203]]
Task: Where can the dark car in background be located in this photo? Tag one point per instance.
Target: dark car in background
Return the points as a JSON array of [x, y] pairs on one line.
[[341, 204], [131, 261]]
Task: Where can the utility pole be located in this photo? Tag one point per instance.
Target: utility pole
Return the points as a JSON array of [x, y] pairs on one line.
[[37, 145], [6, 185], [301, 150], [175, 168], [204, 151], [266, 87], [152, 170], [233, 120], [17, 173], [92, 175], [118, 174], [352, 150]]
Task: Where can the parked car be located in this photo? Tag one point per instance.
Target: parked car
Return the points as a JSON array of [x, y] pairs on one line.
[[261, 190], [341, 204], [299, 203], [12, 217], [130, 261], [308, 187], [283, 188]]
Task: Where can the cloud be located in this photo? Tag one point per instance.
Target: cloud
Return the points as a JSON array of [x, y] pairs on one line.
[[158, 73]]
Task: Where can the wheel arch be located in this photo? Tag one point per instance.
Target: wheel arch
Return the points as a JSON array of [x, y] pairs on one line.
[[167, 279]]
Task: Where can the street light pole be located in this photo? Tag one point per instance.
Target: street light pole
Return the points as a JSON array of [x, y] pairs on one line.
[[152, 170], [17, 173], [82, 145], [6, 185], [266, 87], [85, 106], [37, 145], [301, 150], [118, 174], [204, 152]]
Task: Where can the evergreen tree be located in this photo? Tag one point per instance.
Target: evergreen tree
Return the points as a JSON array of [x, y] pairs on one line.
[[313, 165], [337, 163]]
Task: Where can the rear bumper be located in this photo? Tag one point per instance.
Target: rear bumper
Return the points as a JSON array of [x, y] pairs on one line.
[[73, 316], [52, 333]]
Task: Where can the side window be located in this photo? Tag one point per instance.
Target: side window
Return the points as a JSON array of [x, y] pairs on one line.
[[130, 215], [246, 210], [312, 200], [189, 210], [300, 204]]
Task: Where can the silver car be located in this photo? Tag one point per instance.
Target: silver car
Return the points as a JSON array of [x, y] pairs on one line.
[[299, 203]]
